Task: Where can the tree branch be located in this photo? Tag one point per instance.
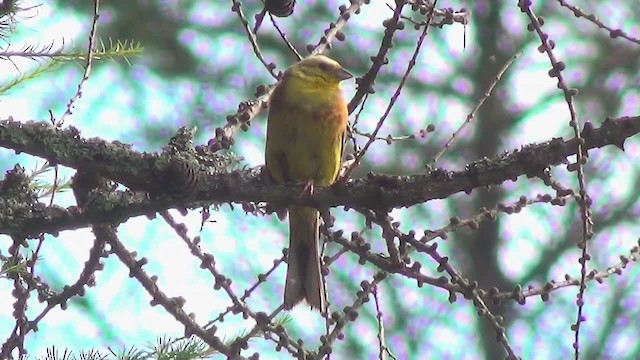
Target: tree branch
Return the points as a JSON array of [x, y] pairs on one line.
[[143, 171]]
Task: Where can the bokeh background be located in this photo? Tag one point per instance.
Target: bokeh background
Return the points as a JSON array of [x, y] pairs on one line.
[[197, 65]]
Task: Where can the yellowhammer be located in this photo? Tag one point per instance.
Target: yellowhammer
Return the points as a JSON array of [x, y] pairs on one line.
[[306, 125]]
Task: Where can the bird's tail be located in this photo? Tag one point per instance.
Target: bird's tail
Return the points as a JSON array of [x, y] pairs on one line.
[[304, 275]]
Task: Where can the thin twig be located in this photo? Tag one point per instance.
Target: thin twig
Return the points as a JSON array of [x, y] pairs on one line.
[[395, 96], [20, 295], [390, 138], [381, 342], [441, 17], [613, 33], [172, 305], [284, 38], [87, 64], [259, 19], [349, 314], [337, 26], [262, 278], [54, 186], [263, 324], [465, 286], [479, 104], [594, 275], [237, 8], [351, 128], [365, 83]]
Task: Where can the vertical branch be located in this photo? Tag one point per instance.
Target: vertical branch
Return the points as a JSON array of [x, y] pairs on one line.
[[382, 343], [587, 224], [21, 295], [87, 65]]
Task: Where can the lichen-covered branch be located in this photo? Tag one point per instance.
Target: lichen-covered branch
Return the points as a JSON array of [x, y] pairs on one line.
[[375, 191]]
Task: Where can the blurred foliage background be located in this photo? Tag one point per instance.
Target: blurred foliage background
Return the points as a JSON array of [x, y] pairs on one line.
[[197, 66]]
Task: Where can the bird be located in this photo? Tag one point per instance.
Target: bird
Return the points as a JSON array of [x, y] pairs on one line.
[[306, 125]]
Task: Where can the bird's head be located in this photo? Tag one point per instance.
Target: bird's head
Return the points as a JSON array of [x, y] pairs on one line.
[[319, 70]]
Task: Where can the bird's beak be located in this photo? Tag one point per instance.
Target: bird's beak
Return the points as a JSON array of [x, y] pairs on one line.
[[343, 74]]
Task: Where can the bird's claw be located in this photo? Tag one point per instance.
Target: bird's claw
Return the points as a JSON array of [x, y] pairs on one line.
[[307, 190]]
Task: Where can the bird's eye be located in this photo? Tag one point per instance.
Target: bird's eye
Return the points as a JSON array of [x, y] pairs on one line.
[[324, 66]]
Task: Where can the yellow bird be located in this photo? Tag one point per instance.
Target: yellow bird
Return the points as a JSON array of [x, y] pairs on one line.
[[305, 135]]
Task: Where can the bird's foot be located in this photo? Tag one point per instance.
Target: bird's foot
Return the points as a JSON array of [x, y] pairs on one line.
[[307, 190]]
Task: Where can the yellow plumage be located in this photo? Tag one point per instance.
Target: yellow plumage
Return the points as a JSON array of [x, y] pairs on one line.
[[306, 125]]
